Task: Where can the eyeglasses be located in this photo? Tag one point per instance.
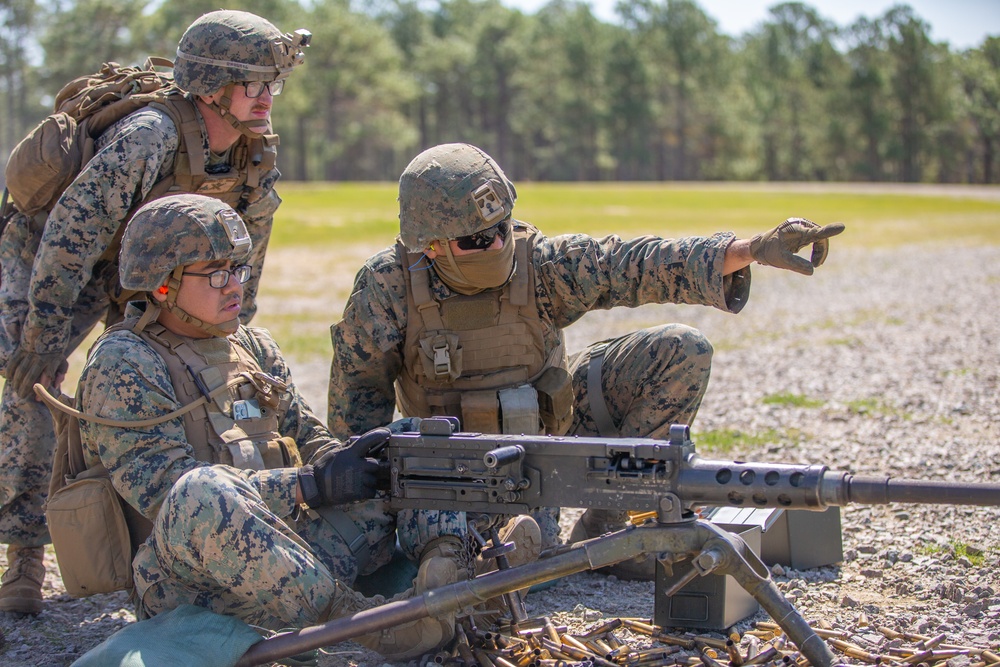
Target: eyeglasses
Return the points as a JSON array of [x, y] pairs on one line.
[[219, 279], [256, 88], [484, 238]]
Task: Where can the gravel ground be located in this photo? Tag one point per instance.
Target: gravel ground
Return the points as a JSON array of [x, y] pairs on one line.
[[897, 355]]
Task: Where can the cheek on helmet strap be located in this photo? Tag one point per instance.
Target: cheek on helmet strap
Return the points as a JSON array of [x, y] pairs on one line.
[[252, 129], [220, 330]]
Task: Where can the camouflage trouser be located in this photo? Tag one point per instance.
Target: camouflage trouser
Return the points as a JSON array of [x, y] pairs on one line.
[[650, 379], [27, 439], [216, 544]]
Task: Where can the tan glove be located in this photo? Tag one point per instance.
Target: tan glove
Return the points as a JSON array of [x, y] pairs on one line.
[[26, 368], [778, 247]]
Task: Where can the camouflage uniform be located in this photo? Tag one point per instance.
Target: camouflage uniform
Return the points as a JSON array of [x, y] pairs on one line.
[[288, 562], [55, 286], [212, 466], [651, 378]]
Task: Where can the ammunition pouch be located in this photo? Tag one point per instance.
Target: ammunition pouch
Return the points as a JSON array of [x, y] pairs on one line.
[[519, 410], [480, 411], [526, 409], [555, 399]]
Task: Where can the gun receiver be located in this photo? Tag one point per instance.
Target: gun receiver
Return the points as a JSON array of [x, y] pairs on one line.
[[516, 474]]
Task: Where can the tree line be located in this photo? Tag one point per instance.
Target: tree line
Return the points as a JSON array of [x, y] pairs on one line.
[[660, 94]]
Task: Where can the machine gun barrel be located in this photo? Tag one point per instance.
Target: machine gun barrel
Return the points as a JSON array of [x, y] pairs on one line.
[[879, 490]]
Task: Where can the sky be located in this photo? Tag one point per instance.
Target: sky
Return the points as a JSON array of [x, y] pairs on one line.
[[962, 23]]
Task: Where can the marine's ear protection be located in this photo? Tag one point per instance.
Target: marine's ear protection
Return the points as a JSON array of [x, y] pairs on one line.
[[163, 289]]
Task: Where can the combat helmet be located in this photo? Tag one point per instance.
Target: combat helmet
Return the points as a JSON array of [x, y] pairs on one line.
[[169, 233], [227, 47], [449, 191]]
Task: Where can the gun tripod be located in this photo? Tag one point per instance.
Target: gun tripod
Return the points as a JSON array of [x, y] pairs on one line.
[[675, 536]]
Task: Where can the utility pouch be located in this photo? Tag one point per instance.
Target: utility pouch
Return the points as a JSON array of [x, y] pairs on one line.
[[555, 400], [87, 522], [281, 453], [480, 411], [519, 410], [441, 357], [90, 536]]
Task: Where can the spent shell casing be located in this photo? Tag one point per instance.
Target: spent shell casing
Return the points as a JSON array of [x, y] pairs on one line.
[[482, 657], [603, 628], [714, 642], [640, 626], [763, 657], [675, 640], [551, 632], [932, 642], [735, 657]]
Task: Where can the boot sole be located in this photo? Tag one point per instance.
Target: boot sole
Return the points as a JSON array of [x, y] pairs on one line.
[[21, 606]]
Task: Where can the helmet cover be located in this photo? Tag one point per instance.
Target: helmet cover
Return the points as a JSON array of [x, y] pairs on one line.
[[179, 230], [228, 46], [451, 190]]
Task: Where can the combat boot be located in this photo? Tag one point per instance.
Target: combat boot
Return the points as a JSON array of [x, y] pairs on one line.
[[527, 537], [21, 584], [522, 531], [409, 640], [597, 522]]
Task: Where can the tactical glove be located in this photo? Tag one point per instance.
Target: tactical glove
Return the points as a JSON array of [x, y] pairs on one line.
[[339, 475], [778, 246], [26, 368]]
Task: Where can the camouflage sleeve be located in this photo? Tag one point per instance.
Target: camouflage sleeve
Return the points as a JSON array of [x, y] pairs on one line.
[[85, 219], [367, 349], [299, 421], [259, 217], [578, 273], [124, 379]]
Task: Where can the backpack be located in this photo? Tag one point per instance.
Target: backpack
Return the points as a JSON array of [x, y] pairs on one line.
[[46, 161]]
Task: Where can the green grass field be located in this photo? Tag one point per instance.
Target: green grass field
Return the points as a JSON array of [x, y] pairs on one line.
[[344, 213], [336, 216]]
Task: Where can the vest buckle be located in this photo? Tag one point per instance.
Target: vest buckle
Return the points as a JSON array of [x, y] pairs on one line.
[[442, 360]]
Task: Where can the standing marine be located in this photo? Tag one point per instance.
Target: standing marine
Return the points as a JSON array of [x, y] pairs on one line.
[[465, 314], [212, 135]]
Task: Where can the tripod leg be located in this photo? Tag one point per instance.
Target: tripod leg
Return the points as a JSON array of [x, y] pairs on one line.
[[738, 561]]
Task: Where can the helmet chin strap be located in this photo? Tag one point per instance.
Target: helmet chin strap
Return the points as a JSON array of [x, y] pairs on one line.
[[217, 330], [252, 129]]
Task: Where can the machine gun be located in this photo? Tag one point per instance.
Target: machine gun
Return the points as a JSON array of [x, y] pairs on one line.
[[436, 467]]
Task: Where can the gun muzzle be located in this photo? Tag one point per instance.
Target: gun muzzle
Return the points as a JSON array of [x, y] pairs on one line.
[[882, 489]]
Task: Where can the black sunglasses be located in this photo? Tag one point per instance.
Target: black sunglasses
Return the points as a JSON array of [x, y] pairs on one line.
[[484, 238]]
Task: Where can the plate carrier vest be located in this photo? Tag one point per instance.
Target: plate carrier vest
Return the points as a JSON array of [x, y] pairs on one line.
[[482, 357]]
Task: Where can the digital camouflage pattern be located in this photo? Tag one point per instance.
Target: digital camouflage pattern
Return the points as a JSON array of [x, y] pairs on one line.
[[227, 46], [651, 378], [176, 231], [54, 309], [449, 191], [291, 569]]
